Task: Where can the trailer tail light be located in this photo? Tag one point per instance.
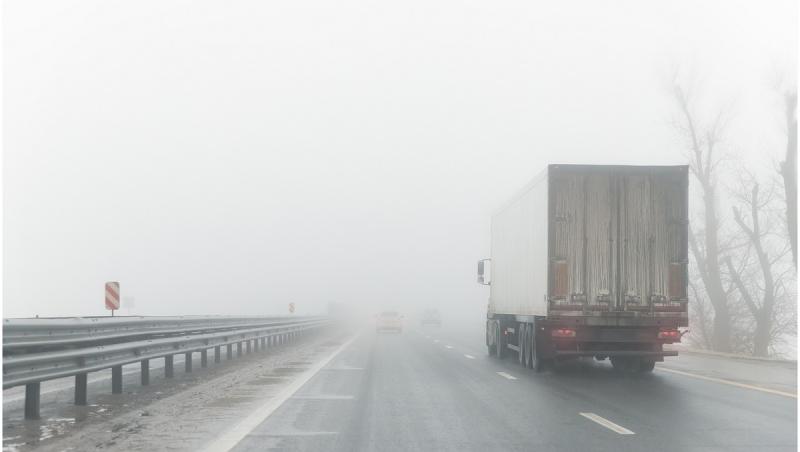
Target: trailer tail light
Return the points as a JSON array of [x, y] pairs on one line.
[[669, 334], [563, 332]]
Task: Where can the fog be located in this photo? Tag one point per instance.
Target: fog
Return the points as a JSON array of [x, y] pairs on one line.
[[232, 157]]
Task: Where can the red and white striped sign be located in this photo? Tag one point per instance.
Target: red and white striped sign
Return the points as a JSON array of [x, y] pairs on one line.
[[112, 295]]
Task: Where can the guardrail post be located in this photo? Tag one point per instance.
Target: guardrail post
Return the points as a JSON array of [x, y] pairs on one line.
[[238, 349], [263, 343], [32, 392], [145, 372], [249, 346], [169, 371], [255, 344], [203, 358], [116, 380], [80, 389], [230, 351], [217, 353], [188, 362]]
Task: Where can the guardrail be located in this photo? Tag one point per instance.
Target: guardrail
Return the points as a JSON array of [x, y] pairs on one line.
[[37, 350]]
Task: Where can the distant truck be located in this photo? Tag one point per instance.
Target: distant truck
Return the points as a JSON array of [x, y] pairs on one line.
[[590, 260]]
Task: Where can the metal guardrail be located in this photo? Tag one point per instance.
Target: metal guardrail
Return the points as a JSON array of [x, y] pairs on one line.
[[37, 350], [47, 333]]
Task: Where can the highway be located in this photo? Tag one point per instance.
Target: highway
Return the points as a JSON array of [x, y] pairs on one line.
[[434, 389], [422, 390]]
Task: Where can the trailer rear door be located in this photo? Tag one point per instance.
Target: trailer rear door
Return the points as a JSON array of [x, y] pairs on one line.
[[618, 237]]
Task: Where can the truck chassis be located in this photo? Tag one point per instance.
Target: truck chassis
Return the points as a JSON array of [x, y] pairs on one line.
[[539, 341]]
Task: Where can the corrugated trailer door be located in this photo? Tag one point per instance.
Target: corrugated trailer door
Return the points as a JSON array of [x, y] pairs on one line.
[[601, 240], [584, 256], [650, 234]]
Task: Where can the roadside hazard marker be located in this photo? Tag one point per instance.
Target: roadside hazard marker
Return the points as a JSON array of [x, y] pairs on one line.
[[291, 308], [112, 296]]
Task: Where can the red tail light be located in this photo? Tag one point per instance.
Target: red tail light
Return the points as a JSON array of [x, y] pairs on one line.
[[666, 333], [563, 332]]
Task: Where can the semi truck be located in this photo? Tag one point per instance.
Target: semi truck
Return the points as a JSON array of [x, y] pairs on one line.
[[590, 261]]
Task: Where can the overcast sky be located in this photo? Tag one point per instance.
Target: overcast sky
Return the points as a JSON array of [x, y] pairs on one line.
[[228, 157]]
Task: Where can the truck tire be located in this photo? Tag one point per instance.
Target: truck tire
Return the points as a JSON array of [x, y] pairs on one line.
[[490, 338], [528, 346], [537, 362], [646, 365], [499, 342], [625, 363]]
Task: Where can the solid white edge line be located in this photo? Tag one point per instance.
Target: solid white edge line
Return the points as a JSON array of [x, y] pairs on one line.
[[232, 437], [607, 424], [505, 375], [728, 382], [468, 356]]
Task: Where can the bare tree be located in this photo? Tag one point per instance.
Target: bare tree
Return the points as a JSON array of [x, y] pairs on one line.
[[702, 315], [702, 141], [755, 277], [789, 169]]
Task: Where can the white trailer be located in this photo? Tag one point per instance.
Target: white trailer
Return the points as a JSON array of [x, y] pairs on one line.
[[590, 260]]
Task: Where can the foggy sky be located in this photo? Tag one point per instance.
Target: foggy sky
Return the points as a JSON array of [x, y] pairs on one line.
[[230, 157]]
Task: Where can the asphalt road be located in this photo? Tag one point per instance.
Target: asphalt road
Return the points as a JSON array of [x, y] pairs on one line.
[[436, 389]]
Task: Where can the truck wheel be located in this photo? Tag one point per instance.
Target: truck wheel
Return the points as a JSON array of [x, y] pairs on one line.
[[526, 347], [499, 342], [624, 363], [646, 365], [490, 338], [537, 363]]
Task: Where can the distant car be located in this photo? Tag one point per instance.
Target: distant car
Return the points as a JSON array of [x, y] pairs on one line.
[[431, 317], [389, 321]]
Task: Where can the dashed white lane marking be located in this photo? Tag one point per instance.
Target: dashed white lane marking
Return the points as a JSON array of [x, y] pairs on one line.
[[505, 375], [231, 438], [469, 356], [728, 382], [448, 346], [607, 424], [323, 397], [292, 433]]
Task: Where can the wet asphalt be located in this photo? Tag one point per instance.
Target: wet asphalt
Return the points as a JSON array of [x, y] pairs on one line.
[[431, 389]]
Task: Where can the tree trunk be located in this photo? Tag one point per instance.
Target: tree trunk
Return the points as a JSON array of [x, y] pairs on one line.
[[721, 338], [762, 337], [789, 172]]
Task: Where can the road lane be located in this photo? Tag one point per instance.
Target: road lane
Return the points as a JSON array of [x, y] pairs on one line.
[[708, 415], [409, 392]]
